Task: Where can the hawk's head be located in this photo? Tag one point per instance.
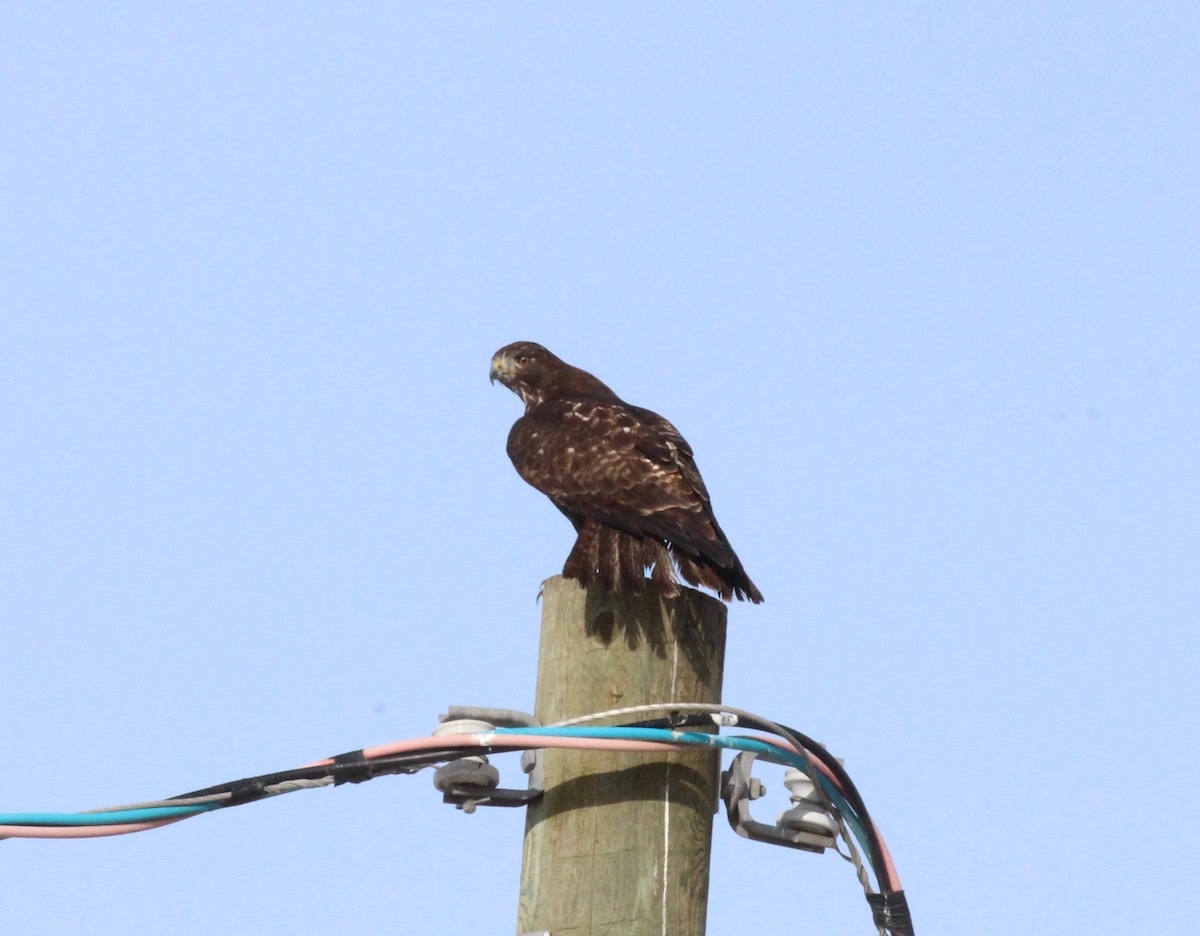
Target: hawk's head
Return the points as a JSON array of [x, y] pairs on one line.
[[526, 368], [534, 374]]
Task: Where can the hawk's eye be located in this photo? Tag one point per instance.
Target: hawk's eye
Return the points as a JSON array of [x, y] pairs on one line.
[[522, 359]]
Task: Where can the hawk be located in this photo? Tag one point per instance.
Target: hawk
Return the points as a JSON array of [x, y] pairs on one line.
[[623, 476]]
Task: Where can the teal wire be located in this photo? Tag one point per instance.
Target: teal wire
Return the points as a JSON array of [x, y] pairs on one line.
[[703, 739], [117, 817]]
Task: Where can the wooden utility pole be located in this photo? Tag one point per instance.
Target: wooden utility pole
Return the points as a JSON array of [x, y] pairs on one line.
[[619, 844]]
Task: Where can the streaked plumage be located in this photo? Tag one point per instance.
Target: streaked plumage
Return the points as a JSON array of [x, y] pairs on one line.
[[623, 476]]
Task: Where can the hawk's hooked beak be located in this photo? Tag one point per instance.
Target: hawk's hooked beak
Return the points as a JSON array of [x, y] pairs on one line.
[[499, 369]]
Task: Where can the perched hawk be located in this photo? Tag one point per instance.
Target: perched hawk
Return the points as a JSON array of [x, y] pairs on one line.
[[623, 475]]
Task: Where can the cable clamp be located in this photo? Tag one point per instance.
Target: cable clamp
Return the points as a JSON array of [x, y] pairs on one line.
[[805, 826]]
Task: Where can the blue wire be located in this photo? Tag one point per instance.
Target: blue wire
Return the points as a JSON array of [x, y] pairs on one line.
[[697, 738], [702, 739], [117, 817], [668, 735]]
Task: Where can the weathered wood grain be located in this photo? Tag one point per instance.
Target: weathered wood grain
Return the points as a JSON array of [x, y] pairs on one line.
[[619, 845]]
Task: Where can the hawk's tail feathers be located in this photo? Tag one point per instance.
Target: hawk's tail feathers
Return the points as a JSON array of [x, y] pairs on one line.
[[727, 582], [619, 560]]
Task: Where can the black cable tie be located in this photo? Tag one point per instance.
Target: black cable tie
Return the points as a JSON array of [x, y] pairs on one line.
[[890, 912], [352, 767]]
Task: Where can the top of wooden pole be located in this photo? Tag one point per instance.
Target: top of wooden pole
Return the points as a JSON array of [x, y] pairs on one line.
[[619, 843], [612, 649]]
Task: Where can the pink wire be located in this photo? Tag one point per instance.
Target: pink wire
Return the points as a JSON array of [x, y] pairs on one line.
[[888, 865], [445, 741], [593, 744], [75, 832], [510, 741], [382, 750]]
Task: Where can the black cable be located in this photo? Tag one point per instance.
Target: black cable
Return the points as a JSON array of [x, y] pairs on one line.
[[346, 768], [849, 790], [889, 908], [890, 912], [802, 742]]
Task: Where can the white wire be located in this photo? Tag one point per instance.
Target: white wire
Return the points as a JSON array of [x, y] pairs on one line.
[[288, 786], [274, 789], [154, 804], [706, 707]]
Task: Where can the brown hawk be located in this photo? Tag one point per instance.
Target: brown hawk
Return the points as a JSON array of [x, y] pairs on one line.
[[624, 477]]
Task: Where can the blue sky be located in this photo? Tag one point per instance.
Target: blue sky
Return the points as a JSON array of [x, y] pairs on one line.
[[918, 284]]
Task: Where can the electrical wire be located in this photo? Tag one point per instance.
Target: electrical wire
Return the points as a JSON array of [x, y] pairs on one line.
[[841, 797], [108, 817], [760, 746], [890, 906], [356, 766], [886, 874]]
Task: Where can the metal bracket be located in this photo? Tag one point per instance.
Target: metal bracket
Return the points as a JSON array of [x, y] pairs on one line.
[[738, 788], [472, 781]]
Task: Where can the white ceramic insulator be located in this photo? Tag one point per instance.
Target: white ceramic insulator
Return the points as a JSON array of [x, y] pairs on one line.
[[463, 726], [800, 787], [807, 819], [808, 812]]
